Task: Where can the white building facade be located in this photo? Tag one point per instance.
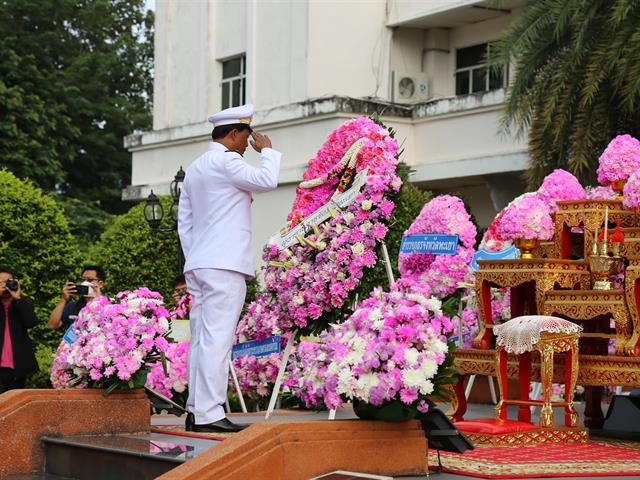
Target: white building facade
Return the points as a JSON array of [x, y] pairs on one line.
[[309, 65]]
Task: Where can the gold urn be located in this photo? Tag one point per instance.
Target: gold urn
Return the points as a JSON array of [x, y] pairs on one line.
[[527, 246], [602, 269]]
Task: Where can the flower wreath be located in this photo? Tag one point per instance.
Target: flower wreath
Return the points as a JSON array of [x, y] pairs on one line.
[[440, 275], [316, 274]]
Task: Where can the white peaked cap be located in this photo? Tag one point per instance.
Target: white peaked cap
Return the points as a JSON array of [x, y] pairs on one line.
[[229, 116]]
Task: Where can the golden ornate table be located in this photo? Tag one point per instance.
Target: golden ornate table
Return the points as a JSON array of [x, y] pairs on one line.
[[584, 305], [631, 245], [595, 371], [590, 215], [545, 273]]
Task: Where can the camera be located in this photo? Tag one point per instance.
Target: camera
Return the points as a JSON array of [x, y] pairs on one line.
[[12, 284], [83, 289]]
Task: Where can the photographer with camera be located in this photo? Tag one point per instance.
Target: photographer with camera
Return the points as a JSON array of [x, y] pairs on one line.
[[66, 311], [17, 315], [179, 289]]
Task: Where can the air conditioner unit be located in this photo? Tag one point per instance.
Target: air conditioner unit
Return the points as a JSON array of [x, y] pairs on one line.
[[410, 87]]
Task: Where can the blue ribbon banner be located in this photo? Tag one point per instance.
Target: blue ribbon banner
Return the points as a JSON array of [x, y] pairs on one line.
[[507, 254], [70, 336], [435, 243], [257, 349]]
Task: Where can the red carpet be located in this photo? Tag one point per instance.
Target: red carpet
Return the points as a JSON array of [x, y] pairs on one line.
[[596, 458]]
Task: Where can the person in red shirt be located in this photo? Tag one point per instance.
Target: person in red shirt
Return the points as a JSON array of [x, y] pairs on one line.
[[17, 315]]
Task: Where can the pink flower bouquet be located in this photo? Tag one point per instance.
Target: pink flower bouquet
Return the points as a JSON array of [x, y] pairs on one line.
[[526, 217], [619, 160], [173, 382], [392, 349], [116, 342], [601, 193], [491, 240], [440, 274], [631, 192], [560, 185]]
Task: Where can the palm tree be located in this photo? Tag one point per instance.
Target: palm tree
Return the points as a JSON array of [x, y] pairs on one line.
[[576, 82]]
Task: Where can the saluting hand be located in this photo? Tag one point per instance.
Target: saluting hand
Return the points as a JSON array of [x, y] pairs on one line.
[[259, 141]]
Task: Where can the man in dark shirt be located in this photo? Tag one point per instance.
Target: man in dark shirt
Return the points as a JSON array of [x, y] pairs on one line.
[[17, 315], [66, 311]]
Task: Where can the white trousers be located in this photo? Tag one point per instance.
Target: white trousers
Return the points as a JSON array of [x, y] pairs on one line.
[[218, 296]]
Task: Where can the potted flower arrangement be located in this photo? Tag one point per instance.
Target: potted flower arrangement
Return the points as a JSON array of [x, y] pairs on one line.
[[619, 161], [389, 358], [560, 185], [116, 342], [526, 221]]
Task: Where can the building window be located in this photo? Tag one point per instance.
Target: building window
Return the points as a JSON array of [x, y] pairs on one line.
[[233, 82], [472, 75]]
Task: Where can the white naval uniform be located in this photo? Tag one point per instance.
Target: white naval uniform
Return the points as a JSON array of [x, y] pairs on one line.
[[214, 224]]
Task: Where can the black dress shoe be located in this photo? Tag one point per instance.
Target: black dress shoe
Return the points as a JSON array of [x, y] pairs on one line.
[[221, 426], [189, 422]]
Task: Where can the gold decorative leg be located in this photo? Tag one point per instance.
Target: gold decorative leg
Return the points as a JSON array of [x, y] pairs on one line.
[[500, 410], [570, 386], [546, 377], [621, 320]]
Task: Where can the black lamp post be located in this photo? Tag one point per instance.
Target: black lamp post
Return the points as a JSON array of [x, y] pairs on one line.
[[154, 213]]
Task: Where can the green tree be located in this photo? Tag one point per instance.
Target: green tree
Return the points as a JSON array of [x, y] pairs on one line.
[[75, 77], [133, 256], [36, 242], [576, 81]]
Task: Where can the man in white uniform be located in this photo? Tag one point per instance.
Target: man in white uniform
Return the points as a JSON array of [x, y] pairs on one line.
[[214, 224]]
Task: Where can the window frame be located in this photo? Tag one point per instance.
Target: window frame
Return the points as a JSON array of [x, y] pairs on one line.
[[242, 77], [479, 66]]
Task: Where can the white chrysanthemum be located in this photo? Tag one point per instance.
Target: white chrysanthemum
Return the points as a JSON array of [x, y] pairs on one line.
[[364, 228], [364, 385], [435, 305], [411, 356], [357, 248], [413, 378], [304, 267], [428, 368], [344, 382], [426, 388], [377, 324], [366, 204], [375, 314], [164, 323], [298, 300], [436, 346]]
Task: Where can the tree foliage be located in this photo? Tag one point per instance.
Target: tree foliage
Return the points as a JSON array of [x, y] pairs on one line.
[[133, 256], [36, 243], [75, 78], [576, 81]]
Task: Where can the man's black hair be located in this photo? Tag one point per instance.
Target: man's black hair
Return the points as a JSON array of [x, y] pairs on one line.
[[179, 280], [99, 271], [7, 270], [223, 130]]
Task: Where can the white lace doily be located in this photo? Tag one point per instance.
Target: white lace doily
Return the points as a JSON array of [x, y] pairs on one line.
[[520, 334]]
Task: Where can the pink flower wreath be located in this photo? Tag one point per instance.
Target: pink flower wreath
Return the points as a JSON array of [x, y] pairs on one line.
[[308, 279], [440, 275]]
